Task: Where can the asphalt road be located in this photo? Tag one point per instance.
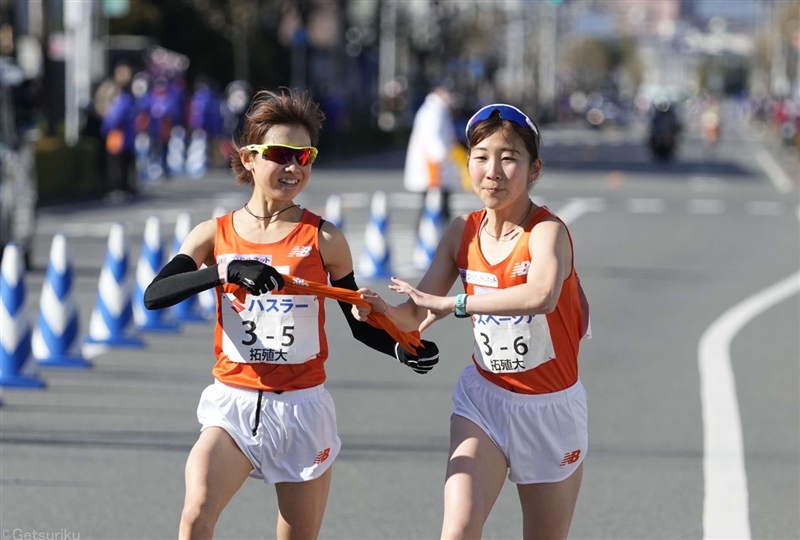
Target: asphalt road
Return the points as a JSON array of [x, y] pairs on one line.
[[663, 251]]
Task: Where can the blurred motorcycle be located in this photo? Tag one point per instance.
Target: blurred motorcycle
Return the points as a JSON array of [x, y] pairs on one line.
[[664, 129]]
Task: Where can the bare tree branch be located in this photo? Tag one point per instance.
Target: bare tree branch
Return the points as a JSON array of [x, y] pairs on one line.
[[213, 16]]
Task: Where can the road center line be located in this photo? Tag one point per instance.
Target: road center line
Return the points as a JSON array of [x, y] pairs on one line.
[[774, 172], [725, 505]]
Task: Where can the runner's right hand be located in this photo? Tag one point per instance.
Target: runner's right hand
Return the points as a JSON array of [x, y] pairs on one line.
[[255, 276]]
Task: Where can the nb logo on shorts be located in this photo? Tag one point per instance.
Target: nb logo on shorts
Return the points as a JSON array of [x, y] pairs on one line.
[[322, 456], [300, 251], [570, 458], [520, 268]]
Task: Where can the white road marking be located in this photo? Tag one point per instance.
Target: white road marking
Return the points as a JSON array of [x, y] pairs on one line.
[[725, 506], [774, 172], [575, 208], [764, 208], [645, 206], [705, 206]]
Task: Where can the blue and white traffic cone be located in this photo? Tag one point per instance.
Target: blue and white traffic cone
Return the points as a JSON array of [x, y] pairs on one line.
[[430, 230], [176, 151], [333, 210], [57, 326], [15, 337], [188, 310], [208, 299], [197, 154], [151, 260], [112, 317], [375, 258]]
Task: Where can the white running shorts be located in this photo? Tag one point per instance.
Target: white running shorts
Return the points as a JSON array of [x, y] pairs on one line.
[[296, 437], [544, 437]]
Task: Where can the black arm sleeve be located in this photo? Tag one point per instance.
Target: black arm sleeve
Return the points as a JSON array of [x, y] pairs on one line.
[[178, 280], [374, 338]]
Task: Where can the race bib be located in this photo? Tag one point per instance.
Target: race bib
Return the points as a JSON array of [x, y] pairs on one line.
[[272, 329], [512, 344]]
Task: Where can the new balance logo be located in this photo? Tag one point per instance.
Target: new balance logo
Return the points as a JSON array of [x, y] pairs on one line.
[[322, 456], [237, 306], [520, 268], [570, 458], [300, 251]]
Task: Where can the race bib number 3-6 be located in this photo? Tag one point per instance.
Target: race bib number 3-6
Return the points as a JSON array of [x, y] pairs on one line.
[[274, 329], [511, 344]]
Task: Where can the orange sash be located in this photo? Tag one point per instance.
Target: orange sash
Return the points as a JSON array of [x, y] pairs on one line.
[[296, 285]]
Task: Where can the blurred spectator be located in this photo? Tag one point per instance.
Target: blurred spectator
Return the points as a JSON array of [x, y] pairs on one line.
[[110, 88], [140, 88], [119, 129], [205, 114], [20, 99], [165, 112], [428, 160], [711, 122], [237, 100]]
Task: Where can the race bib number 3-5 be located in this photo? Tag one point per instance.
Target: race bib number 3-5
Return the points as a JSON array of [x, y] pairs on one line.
[[273, 329], [511, 344]]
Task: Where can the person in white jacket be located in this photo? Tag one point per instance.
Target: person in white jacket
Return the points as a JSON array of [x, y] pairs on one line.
[[428, 162]]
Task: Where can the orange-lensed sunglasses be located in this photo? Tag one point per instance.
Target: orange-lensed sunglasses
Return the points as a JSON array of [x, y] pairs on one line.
[[283, 153]]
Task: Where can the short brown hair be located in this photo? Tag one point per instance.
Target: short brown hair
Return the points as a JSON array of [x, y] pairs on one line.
[[268, 109]]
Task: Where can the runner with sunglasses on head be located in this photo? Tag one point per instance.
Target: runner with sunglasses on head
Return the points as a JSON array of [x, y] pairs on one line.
[[520, 408], [268, 415]]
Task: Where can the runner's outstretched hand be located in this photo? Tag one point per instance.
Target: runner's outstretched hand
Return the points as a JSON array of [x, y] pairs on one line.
[[255, 276], [438, 307]]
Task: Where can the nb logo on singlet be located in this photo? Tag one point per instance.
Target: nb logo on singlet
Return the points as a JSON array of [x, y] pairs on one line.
[[237, 306], [520, 268], [300, 251], [570, 458]]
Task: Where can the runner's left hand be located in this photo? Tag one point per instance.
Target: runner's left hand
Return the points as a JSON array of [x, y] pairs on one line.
[[427, 357]]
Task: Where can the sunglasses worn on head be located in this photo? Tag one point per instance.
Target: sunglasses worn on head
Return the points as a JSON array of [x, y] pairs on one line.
[[507, 112], [283, 153]]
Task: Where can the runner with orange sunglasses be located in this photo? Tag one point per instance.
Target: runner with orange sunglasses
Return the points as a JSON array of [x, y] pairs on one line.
[[268, 414]]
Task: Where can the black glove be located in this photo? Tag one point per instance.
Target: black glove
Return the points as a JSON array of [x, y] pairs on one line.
[[255, 276], [427, 357]]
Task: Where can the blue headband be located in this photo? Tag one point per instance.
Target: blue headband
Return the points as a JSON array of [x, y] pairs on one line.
[[507, 112]]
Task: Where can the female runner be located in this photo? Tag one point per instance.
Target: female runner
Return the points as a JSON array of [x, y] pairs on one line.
[[520, 408], [268, 415]]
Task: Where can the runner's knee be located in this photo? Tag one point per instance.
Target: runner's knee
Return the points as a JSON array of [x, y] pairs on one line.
[[461, 527], [197, 521]]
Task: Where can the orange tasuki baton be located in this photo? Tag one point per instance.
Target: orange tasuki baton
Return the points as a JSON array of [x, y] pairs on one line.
[[296, 285]]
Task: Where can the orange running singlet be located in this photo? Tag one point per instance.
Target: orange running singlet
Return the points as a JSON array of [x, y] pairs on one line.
[[272, 341], [527, 354]]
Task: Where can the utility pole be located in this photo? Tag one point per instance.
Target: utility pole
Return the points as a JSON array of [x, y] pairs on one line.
[[300, 48], [779, 81], [515, 51], [796, 43], [548, 52], [78, 20], [387, 57]]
